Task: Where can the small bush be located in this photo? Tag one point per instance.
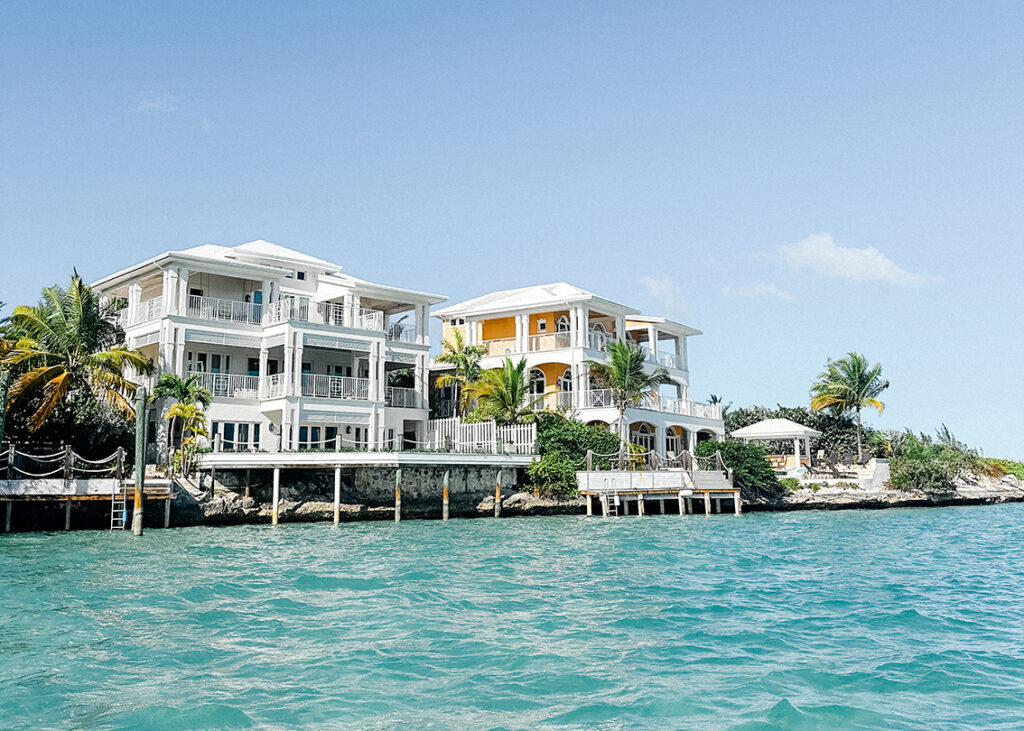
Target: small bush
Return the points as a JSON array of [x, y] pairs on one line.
[[563, 445], [749, 466], [790, 483], [930, 468], [1008, 467]]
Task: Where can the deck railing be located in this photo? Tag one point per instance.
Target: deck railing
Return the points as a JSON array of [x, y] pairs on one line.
[[486, 436], [402, 398], [597, 398], [273, 386], [215, 308], [401, 333], [549, 341], [338, 387], [597, 340], [229, 385], [151, 309]]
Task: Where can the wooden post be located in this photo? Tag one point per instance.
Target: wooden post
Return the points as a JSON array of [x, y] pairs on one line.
[[7, 517], [398, 494], [497, 496], [444, 496], [141, 426], [661, 505], [640, 505], [213, 481], [590, 460], [682, 504], [625, 506], [737, 502], [276, 495], [67, 514], [167, 513], [337, 495], [337, 442], [590, 505], [604, 505], [707, 503], [248, 478]]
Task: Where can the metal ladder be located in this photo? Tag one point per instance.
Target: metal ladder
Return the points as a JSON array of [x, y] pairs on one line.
[[613, 503], [119, 505]]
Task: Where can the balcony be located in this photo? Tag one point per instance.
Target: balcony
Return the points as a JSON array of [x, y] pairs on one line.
[[549, 341], [222, 310], [401, 333], [151, 309], [322, 313], [273, 386], [403, 398], [545, 342], [335, 387], [228, 385], [602, 398], [668, 360]]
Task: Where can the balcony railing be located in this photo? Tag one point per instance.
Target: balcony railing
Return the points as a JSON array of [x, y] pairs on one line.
[[229, 385], [598, 398], [549, 341], [402, 398], [215, 308], [324, 313], [501, 347], [597, 340], [669, 360], [151, 309], [273, 386], [401, 333], [340, 387]]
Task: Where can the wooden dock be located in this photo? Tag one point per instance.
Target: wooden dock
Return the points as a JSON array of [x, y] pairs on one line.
[[642, 492]]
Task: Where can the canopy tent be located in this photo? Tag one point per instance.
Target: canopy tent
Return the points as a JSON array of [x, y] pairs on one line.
[[775, 430]]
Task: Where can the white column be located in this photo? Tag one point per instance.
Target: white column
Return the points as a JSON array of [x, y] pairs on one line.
[[796, 451], [357, 305], [521, 333], [182, 290], [584, 317], [652, 342], [179, 351], [168, 292], [371, 437], [620, 328], [264, 359], [298, 364], [574, 327], [659, 439], [691, 441], [134, 297], [289, 365], [423, 379]]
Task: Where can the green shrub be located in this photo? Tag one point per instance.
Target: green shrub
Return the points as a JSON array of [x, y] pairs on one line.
[[1009, 467], [930, 468], [790, 483], [749, 466], [563, 445]]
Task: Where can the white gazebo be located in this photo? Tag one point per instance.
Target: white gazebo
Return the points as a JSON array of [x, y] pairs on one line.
[[779, 430]]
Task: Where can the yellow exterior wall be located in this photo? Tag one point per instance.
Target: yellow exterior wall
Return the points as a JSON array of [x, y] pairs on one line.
[[448, 337], [550, 318], [499, 328]]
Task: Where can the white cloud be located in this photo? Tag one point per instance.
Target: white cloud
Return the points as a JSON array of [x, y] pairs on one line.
[[759, 291], [665, 293], [158, 103], [820, 254]]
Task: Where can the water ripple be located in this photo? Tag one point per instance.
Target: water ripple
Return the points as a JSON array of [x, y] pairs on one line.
[[894, 619]]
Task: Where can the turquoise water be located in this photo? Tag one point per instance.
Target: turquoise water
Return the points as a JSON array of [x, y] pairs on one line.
[[894, 619]]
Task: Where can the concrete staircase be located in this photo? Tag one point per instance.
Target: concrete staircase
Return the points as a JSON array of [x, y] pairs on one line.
[[711, 480]]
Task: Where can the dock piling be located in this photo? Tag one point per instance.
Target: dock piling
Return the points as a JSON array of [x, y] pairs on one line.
[[276, 496], [497, 496], [444, 498], [398, 495], [167, 513], [7, 517], [640, 505], [707, 503], [141, 426], [337, 495], [67, 514], [737, 503], [682, 504]]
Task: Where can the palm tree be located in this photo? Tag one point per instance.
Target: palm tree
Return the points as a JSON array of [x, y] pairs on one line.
[[849, 384], [466, 362], [183, 391], [193, 423], [625, 375], [504, 393], [68, 343]]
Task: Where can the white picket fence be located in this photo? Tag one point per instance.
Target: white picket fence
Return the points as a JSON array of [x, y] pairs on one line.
[[485, 436]]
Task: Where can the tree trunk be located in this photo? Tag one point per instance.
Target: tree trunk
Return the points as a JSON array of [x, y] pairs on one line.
[[858, 433], [623, 437], [170, 444]]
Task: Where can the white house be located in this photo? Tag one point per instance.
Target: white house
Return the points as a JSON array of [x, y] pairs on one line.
[[557, 328], [295, 352]]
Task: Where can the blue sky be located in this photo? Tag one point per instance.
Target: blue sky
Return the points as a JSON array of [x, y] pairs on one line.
[[796, 180]]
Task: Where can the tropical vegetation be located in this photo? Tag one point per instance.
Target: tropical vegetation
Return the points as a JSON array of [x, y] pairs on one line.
[[178, 391], [751, 470], [193, 425], [563, 445], [624, 375], [849, 384], [465, 362], [69, 371], [504, 394]]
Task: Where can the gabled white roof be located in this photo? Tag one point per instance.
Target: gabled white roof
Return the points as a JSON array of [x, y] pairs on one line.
[[772, 429], [526, 298], [266, 250]]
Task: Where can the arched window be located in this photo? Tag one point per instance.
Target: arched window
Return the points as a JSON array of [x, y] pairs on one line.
[[565, 381], [599, 328], [538, 383], [562, 325]]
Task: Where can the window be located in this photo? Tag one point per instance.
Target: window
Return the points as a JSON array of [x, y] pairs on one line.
[[301, 276], [565, 381], [236, 436], [252, 366], [538, 383], [562, 325], [542, 325], [192, 292]]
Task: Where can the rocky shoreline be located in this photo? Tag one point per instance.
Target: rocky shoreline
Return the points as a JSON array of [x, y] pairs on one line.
[[229, 507]]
